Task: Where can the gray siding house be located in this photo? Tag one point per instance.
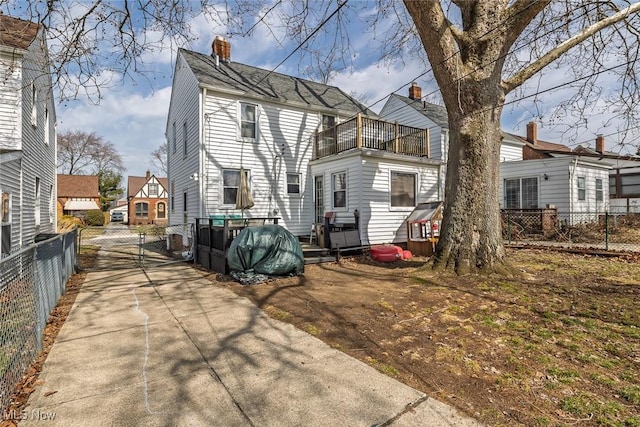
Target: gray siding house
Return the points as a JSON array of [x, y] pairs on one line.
[[306, 148], [27, 136]]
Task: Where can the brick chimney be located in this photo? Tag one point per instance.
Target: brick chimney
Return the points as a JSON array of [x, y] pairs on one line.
[[148, 175], [532, 132], [221, 48], [600, 144], [415, 91]]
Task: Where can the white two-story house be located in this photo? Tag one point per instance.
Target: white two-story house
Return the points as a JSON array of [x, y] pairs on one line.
[[27, 136], [306, 148]]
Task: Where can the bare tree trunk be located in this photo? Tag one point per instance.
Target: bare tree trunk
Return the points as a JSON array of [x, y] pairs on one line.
[[471, 233]]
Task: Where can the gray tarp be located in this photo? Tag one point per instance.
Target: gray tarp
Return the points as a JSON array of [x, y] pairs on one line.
[[268, 250]]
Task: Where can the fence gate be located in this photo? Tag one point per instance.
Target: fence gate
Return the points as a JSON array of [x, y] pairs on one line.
[[120, 246]]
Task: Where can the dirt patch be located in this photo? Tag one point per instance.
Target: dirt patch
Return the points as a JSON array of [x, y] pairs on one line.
[[56, 320], [558, 346]]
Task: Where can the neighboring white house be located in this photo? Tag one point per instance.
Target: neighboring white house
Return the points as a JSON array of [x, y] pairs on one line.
[[303, 146], [571, 184], [534, 174], [27, 136], [413, 111]]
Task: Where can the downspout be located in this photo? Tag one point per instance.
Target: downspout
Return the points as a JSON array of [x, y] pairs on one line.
[[572, 171], [444, 143], [201, 157]]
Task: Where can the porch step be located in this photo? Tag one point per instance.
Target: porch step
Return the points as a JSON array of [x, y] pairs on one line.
[[310, 250], [319, 259]]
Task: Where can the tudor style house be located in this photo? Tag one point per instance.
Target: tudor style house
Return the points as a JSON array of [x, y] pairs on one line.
[[77, 194], [306, 148], [27, 136], [147, 196]]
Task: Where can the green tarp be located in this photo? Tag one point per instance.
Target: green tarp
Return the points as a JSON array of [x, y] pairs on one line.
[[268, 250]]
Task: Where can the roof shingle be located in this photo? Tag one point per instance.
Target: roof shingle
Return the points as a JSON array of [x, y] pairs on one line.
[[16, 33], [78, 186], [275, 86]]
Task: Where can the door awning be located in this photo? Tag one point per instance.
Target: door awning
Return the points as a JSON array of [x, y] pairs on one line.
[[80, 205]]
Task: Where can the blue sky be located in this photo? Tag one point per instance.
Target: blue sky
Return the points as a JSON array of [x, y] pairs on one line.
[[132, 113]]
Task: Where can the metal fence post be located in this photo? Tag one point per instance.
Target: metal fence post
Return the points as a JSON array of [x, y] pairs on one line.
[[508, 228], [606, 230], [141, 239]]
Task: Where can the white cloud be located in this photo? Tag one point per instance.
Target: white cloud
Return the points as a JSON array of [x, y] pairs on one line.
[[134, 123]]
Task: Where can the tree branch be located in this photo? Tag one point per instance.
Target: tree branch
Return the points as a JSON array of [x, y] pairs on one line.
[[523, 75], [436, 30]]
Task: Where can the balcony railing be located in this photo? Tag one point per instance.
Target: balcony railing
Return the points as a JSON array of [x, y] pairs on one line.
[[364, 132]]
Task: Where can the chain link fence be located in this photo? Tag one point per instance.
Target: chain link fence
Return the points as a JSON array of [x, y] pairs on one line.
[[609, 231], [122, 246], [31, 282]]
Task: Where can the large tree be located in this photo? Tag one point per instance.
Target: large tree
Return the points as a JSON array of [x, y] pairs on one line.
[[81, 153], [468, 62], [159, 159], [479, 51]]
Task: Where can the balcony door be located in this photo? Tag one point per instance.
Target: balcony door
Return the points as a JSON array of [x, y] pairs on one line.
[[318, 191]]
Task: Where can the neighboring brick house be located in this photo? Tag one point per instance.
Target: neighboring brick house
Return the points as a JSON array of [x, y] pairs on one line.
[[147, 197], [77, 194]]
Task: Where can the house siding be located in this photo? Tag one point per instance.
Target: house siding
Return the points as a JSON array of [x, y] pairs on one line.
[[185, 107], [10, 99], [368, 191], [283, 145], [396, 110], [36, 160], [560, 187], [510, 151], [39, 159], [10, 179]]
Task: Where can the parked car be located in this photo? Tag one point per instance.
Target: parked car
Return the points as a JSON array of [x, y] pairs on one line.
[[117, 216]]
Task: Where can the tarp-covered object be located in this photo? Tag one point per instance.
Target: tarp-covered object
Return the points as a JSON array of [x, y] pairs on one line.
[[269, 250]]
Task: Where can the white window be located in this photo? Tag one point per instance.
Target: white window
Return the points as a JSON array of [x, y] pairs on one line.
[[403, 189], [5, 223], [34, 105], [46, 125], [5, 213], [293, 183], [184, 139], [37, 202], [175, 142], [52, 204], [582, 188], [328, 122], [521, 193], [248, 121], [173, 192], [153, 189], [599, 190], [230, 184], [339, 189]]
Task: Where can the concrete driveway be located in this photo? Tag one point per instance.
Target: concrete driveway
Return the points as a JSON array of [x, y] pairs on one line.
[[165, 347]]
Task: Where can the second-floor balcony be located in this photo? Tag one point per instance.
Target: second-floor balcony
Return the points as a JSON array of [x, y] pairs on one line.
[[367, 133]]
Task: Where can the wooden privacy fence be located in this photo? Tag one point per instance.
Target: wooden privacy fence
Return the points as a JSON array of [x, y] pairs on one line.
[[214, 236]]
